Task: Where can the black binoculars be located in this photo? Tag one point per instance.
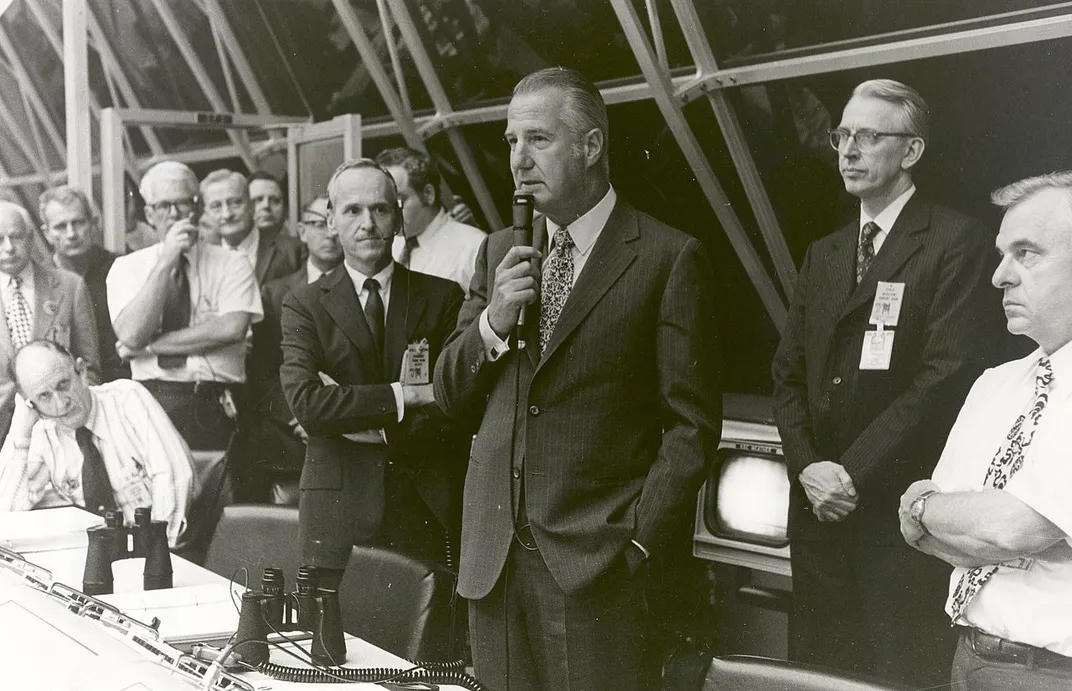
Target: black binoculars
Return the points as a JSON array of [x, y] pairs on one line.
[[114, 541], [272, 610]]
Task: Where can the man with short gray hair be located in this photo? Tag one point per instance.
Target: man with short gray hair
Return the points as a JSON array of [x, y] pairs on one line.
[[998, 507], [891, 320], [181, 309], [38, 302]]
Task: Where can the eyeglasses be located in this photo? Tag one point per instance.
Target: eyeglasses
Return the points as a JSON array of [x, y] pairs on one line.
[[182, 206], [865, 139], [318, 223]]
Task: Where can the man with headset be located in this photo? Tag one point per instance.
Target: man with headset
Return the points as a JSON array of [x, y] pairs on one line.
[[100, 447], [359, 345]]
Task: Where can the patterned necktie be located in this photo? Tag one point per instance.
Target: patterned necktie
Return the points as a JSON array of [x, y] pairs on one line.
[[97, 491], [556, 284], [865, 252], [374, 313], [176, 313], [1007, 461], [17, 313], [407, 250]]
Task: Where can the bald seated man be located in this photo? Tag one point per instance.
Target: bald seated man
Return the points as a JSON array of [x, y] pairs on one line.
[[101, 447], [39, 301]]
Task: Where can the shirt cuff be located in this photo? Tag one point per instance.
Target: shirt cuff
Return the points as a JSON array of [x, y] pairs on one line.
[[494, 347], [400, 402]]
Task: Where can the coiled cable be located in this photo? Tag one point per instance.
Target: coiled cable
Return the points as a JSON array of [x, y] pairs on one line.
[[432, 673]]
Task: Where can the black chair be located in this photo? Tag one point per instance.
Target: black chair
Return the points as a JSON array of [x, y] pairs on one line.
[[748, 673], [400, 604], [214, 492], [255, 536]]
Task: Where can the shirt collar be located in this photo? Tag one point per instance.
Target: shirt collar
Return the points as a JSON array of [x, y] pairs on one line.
[[1060, 361], [312, 274], [91, 419], [434, 226], [249, 243], [888, 216], [586, 229], [26, 276], [384, 278]]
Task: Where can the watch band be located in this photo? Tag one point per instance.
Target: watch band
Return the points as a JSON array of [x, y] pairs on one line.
[[921, 502]]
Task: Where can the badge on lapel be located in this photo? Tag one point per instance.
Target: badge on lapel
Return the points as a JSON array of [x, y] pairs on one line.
[[51, 307], [416, 368]]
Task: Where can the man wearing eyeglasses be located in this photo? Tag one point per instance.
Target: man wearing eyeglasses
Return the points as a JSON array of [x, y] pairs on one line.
[[891, 321], [279, 441], [181, 309]]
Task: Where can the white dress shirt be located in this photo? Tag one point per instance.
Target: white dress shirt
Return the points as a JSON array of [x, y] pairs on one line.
[[148, 463], [384, 279], [584, 231], [446, 248], [248, 247], [885, 218], [312, 274], [221, 282], [1030, 605]]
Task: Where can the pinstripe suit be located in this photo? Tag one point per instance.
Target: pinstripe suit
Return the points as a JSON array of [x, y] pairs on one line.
[[863, 599], [611, 426]]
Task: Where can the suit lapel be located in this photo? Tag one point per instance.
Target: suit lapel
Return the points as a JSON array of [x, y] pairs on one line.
[[46, 302], [904, 240], [403, 312], [340, 301], [610, 257]]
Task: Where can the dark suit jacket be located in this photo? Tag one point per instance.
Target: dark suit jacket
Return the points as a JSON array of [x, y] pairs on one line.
[[278, 255], [63, 313], [93, 267], [273, 445], [613, 424], [324, 331], [887, 428]]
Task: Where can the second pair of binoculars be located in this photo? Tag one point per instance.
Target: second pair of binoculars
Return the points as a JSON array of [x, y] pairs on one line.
[[308, 608]]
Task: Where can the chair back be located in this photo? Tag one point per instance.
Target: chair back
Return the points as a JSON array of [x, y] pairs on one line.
[[748, 673], [212, 492], [255, 536], [401, 604]]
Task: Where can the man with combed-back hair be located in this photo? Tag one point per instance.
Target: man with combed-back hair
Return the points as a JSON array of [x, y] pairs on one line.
[[999, 504], [382, 466], [592, 439], [891, 320], [38, 301]]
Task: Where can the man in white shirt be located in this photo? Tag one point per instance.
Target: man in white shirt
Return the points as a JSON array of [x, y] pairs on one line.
[[891, 320], [999, 504], [431, 242], [99, 447], [181, 309]]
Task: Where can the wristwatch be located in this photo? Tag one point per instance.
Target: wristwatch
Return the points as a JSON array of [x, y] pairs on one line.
[[919, 506]]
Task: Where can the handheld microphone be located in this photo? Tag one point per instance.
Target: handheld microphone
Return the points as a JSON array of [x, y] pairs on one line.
[[523, 209]]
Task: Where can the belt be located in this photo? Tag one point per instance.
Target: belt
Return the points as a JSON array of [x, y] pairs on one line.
[[997, 649]]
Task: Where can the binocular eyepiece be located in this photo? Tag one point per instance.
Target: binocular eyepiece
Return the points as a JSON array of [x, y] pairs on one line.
[[114, 541], [309, 608]]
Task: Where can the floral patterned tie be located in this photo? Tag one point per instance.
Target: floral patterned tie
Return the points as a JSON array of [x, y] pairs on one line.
[[865, 251], [556, 284], [1008, 460]]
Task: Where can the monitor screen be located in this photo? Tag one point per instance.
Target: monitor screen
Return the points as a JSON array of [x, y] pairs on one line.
[[748, 498]]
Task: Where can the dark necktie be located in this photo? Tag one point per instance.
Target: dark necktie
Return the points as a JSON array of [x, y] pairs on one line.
[[1008, 460], [865, 252], [556, 284], [407, 250], [176, 310], [96, 488], [374, 314]]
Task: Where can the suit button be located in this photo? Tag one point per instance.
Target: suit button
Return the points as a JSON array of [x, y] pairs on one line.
[[835, 381], [534, 410], [517, 473], [472, 368]]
